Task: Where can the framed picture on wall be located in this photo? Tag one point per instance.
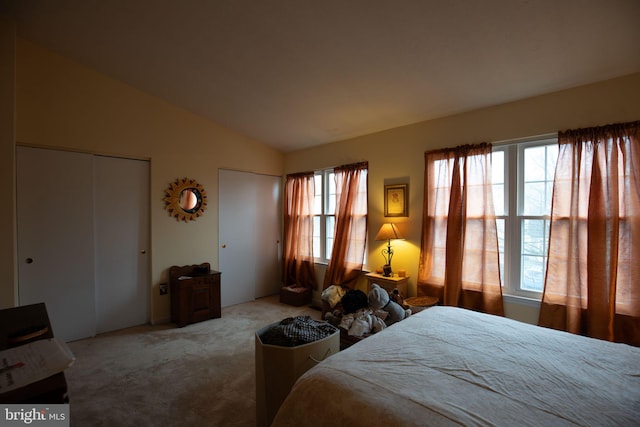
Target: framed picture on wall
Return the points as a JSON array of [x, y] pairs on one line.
[[396, 202]]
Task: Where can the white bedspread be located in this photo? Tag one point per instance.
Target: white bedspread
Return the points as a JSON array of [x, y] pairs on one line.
[[447, 366]]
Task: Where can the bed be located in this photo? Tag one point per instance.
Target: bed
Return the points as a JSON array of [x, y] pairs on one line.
[[449, 366]]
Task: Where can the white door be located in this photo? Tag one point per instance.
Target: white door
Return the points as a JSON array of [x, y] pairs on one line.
[[268, 233], [249, 234], [83, 233], [121, 241], [55, 238], [237, 213]]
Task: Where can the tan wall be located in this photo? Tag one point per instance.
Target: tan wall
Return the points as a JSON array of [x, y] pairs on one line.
[[398, 154], [62, 104], [7, 162]]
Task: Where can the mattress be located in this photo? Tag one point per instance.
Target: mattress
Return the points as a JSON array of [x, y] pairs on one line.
[[449, 366]]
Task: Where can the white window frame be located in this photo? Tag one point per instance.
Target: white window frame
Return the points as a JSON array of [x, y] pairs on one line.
[[511, 259], [322, 215]]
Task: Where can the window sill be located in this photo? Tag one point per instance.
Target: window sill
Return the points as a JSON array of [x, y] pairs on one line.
[[520, 300]]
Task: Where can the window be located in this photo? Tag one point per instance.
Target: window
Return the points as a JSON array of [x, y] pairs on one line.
[[522, 177], [324, 214]]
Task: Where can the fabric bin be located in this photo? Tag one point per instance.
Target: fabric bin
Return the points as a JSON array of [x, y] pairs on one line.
[[278, 368]]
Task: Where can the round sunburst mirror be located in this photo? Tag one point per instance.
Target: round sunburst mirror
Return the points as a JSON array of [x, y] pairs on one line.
[[185, 199]]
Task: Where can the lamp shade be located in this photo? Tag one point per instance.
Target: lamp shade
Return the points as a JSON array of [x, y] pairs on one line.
[[388, 231]]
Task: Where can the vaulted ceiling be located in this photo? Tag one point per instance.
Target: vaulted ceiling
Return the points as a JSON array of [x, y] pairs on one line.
[[298, 73]]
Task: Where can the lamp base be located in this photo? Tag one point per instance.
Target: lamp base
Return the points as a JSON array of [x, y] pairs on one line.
[[386, 270]]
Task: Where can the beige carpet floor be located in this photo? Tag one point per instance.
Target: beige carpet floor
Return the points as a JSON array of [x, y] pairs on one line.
[[199, 375]]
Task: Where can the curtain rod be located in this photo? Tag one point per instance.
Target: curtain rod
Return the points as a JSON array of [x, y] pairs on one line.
[[525, 139], [328, 167]]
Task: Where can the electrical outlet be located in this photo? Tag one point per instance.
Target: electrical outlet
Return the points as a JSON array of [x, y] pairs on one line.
[[164, 289]]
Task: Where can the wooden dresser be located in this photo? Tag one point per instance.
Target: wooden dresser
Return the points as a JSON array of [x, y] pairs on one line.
[[195, 293]]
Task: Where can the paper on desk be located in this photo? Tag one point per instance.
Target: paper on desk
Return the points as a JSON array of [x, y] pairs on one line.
[[26, 364]]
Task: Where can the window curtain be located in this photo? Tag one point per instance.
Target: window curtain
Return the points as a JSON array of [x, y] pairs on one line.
[[350, 231], [592, 285], [459, 256], [298, 261]]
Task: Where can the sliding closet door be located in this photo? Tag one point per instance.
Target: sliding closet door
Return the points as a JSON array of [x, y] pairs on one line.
[[237, 213], [121, 192], [268, 233], [55, 238], [83, 238], [249, 234]]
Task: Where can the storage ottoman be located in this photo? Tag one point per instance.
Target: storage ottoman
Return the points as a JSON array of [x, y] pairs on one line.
[[295, 295]]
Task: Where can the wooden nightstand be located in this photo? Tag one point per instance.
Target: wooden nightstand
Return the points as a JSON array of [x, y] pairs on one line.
[[388, 283]]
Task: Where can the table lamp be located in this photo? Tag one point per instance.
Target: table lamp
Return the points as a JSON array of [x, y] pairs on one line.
[[387, 232]]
